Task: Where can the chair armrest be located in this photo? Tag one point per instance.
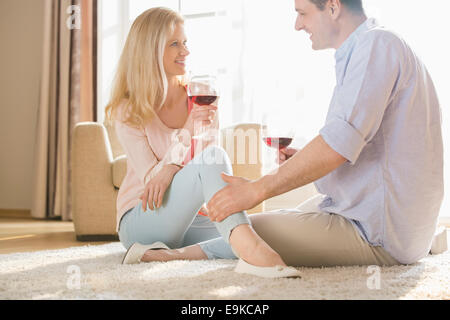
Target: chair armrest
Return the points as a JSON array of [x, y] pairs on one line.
[[93, 193], [242, 142]]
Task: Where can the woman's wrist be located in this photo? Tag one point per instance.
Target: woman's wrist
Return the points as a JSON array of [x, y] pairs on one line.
[[189, 128], [173, 168]]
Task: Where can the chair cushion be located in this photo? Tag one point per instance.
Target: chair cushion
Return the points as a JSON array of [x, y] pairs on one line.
[[119, 170]]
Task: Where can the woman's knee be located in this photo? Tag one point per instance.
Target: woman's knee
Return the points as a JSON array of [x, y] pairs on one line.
[[216, 159], [215, 155]]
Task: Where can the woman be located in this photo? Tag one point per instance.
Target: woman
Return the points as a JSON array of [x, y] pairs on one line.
[[150, 110]]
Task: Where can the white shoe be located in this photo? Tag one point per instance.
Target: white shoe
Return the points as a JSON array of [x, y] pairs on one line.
[[137, 251], [267, 272]]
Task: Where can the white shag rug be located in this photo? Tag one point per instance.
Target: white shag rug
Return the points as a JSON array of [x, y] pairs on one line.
[[95, 272]]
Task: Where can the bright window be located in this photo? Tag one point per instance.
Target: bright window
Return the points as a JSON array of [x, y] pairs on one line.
[[268, 70]]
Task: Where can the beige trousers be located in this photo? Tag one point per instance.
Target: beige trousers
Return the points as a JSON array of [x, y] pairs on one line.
[[304, 236]]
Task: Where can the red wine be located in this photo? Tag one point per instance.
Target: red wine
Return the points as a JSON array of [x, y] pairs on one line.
[[203, 100], [279, 143]]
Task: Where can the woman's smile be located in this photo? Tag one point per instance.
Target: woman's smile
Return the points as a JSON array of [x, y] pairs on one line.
[[181, 62]]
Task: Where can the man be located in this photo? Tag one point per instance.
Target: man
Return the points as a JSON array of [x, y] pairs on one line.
[[378, 160]]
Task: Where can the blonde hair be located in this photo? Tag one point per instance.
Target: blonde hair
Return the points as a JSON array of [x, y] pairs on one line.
[[140, 77]]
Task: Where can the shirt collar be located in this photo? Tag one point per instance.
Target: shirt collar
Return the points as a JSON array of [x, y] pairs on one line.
[[370, 23]]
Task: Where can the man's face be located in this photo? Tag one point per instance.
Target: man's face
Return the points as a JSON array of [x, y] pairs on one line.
[[318, 24]]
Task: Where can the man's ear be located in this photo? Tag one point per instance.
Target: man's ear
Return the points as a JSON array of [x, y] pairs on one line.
[[334, 7]]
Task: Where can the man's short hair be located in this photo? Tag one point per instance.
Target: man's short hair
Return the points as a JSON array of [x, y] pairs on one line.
[[354, 5]]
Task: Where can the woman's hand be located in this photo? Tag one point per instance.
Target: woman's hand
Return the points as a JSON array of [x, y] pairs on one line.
[[200, 116], [284, 154], [204, 209], [156, 188]]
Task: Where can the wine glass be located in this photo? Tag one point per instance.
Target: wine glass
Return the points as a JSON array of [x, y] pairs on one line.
[[278, 134], [203, 90], [278, 137]]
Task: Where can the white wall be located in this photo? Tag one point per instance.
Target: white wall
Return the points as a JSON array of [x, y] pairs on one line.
[[21, 30]]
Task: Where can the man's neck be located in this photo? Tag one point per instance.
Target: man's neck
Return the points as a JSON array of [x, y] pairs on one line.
[[348, 24]]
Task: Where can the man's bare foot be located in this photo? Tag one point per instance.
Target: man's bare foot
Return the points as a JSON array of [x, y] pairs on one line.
[[252, 248], [193, 252]]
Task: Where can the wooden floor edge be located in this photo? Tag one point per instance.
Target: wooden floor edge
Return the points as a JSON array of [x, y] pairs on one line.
[[26, 214], [15, 213]]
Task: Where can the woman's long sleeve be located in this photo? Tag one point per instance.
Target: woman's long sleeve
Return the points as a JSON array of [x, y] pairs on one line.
[[141, 156]]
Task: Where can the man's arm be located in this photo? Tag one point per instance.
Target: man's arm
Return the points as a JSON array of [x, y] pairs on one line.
[[314, 161]]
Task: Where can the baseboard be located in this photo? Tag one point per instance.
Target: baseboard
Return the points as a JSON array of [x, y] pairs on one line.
[[97, 237], [15, 213]]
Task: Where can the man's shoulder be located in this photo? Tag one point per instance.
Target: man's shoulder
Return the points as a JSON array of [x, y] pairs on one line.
[[382, 40], [382, 36]]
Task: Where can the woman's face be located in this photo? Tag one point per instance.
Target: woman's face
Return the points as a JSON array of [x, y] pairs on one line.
[[176, 52]]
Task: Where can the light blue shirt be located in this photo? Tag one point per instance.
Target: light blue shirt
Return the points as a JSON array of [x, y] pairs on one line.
[[385, 119]]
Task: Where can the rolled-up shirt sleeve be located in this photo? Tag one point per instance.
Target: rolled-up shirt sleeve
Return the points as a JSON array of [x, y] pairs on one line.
[[360, 100]]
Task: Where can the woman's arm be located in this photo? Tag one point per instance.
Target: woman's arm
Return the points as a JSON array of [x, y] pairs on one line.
[[155, 175], [141, 156], [155, 189], [214, 135], [176, 153], [137, 149]]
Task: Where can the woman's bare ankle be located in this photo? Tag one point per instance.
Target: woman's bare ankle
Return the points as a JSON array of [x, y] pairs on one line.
[[252, 248]]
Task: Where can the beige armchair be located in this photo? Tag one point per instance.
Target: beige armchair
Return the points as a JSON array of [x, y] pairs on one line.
[[98, 166]]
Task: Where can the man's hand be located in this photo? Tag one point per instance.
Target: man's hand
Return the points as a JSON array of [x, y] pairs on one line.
[[284, 154], [240, 194], [156, 188]]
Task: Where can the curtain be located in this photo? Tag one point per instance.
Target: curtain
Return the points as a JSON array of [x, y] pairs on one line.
[[67, 96]]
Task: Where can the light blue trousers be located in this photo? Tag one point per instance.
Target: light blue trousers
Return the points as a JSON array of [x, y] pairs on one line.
[[176, 222]]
